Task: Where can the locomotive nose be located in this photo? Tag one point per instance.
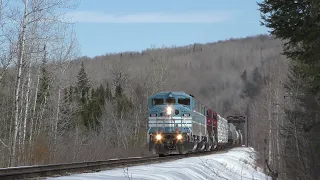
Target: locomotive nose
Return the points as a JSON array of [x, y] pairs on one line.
[[172, 110]]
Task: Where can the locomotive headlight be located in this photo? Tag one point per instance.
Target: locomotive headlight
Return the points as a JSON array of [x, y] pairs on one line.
[[179, 137], [158, 136], [169, 110]]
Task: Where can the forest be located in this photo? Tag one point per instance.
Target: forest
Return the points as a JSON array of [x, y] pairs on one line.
[[59, 106]]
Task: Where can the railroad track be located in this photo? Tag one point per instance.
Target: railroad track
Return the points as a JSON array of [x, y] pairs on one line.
[[60, 169]]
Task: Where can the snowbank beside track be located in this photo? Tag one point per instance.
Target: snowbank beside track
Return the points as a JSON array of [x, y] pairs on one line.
[[237, 163]]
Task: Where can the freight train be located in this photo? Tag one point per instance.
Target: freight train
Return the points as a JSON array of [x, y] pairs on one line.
[[178, 123]]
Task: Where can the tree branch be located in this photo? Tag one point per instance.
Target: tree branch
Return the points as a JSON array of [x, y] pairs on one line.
[[4, 144], [274, 174]]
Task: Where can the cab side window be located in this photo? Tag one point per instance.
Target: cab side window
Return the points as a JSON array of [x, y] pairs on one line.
[[184, 101]]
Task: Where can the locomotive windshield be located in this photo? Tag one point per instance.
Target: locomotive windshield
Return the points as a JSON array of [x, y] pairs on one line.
[[170, 101], [156, 101], [184, 101]]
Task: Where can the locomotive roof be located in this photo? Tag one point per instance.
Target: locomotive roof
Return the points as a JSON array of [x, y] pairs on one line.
[[178, 93], [173, 93]]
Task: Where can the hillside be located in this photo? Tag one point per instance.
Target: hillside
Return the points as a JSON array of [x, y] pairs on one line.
[[205, 70], [227, 76]]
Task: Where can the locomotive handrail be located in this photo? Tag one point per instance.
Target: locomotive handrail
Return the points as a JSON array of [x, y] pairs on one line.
[[148, 135], [183, 119]]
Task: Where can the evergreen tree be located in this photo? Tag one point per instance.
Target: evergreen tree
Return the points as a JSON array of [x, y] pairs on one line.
[[43, 83], [92, 111], [118, 91], [90, 101], [251, 88], [101, 95], [83, 86], [66, 110], [123, 104], [108, 92], [257, 77], [84, 102], [93, 94], [298, 23], [244, 76]]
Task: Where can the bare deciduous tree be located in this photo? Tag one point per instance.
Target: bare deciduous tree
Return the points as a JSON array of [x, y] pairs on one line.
[[212, 72]]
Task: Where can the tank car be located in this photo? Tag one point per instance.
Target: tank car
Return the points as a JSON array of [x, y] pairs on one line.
[[176, 123], [235, 137], [240, 138], [232, 134]]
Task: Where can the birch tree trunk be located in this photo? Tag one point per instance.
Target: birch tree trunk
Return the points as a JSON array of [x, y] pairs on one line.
[[56, 123], [17, 92], [26, 109], [270, 130], [278, 129], [33, 114], [20, 122]]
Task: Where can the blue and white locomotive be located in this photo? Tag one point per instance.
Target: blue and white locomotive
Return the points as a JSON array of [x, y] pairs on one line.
[[177, 124]]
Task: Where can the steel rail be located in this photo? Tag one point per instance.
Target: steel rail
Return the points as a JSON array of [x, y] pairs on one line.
[[24, 172], [55, 169]]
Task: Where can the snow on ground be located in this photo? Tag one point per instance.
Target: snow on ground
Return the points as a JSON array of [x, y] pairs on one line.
[[238, 163]]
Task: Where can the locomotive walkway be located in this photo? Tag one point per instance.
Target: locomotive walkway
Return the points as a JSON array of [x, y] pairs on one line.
[[61, 169]]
